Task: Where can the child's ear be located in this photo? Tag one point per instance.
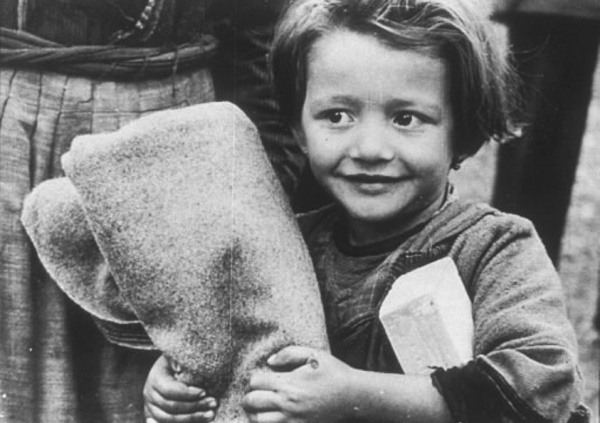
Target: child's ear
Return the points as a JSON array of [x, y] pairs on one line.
[[300, 138], [457, 161]]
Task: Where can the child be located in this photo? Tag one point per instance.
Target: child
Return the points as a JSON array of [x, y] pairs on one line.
[[385, 98]]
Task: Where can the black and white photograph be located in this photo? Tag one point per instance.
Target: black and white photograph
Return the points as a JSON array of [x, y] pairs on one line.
[[299, 211]]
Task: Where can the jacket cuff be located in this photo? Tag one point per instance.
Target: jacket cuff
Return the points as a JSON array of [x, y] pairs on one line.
[[477, 393]]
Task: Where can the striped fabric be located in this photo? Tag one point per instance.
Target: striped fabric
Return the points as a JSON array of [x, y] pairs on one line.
[[55, 366]]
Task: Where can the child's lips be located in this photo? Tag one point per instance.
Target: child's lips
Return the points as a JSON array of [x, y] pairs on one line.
[[370, 185], [364, 178]]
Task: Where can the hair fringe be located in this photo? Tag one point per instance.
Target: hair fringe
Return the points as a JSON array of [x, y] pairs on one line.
[[485, 88]]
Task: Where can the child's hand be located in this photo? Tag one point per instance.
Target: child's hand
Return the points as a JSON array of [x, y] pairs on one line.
[[306, 386], [166, 400]]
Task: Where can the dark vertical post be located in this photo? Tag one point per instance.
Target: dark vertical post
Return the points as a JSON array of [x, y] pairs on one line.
[[556, 57]]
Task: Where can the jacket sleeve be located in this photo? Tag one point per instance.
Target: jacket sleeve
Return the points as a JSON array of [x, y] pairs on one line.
[[241, 74], [525, 352]]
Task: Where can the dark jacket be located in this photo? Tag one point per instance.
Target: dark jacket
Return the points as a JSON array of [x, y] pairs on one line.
[[525, 350]]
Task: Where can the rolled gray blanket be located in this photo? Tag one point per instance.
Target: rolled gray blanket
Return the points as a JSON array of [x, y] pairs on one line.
[[189, 217]]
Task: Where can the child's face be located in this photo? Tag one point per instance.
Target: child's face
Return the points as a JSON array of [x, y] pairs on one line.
[[377, 127]]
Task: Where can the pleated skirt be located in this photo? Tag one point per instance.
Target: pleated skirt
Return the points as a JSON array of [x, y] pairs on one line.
[[54, 364]]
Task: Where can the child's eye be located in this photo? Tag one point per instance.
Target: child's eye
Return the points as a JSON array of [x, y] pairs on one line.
[[337, 117], [407, 120]]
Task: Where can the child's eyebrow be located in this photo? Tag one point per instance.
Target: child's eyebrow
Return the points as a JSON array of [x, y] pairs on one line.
[[325, 101]]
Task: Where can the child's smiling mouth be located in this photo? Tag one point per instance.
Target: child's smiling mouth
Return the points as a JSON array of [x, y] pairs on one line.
[[365, 178], [370, 184]]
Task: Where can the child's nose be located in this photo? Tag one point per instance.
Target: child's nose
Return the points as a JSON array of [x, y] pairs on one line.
[[371, 143]]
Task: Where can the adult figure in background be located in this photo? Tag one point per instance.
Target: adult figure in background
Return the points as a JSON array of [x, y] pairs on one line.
[[69, 67], [556, 50]]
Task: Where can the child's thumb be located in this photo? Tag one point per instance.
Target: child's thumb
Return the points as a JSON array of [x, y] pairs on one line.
[[291, 358]]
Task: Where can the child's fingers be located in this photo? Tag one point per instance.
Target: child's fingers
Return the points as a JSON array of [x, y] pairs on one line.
[[291, 357], [260, 401], [181, 407], [269, 417], [264, 382], [161, 380], [160, 416], [208, 403], [179, 391]]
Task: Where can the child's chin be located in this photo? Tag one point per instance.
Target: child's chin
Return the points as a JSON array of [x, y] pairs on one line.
[[373, 215]]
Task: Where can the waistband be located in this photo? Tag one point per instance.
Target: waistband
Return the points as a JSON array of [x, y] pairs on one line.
[[20, 49]]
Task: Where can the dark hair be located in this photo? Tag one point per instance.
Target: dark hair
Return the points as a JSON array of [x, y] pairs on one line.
[[483, 83]]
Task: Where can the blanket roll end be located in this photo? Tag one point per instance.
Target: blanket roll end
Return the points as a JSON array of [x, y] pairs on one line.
[[55, 222]]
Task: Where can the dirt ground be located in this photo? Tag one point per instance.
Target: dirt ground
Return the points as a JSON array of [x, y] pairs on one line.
[[579, 264]]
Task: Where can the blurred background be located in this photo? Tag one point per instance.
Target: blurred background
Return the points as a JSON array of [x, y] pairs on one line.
[[551, 175], [577, 255]]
